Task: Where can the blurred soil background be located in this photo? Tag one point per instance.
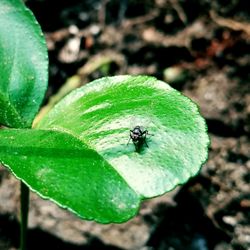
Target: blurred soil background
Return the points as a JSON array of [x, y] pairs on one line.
[[202, 48]]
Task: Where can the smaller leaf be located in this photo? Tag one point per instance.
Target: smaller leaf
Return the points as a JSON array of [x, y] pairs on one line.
[[23, 65]]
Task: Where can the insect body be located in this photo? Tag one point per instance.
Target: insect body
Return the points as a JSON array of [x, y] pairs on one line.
[[138, 137]]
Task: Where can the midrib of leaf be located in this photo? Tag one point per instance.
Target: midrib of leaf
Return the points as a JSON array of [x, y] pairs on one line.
[[12, 76], [11, 109], [69, 132]]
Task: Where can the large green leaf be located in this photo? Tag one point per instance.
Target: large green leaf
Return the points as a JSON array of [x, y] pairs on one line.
[[78, 155], [100, 114], [60, 167], [23, 65]]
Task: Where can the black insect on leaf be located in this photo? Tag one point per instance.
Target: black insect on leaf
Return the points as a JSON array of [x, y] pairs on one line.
[[139, 137]]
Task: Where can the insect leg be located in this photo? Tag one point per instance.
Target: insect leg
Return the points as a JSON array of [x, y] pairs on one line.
[[129, 140]]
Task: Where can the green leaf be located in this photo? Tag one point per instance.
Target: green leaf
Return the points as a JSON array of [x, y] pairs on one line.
[[58, 166], [23, 65], [78, 155], [100, 115]]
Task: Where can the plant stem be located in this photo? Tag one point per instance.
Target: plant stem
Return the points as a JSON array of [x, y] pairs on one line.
[[24, 215]]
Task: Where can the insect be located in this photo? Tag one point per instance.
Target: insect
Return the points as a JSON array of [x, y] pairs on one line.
[[138, 137]]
